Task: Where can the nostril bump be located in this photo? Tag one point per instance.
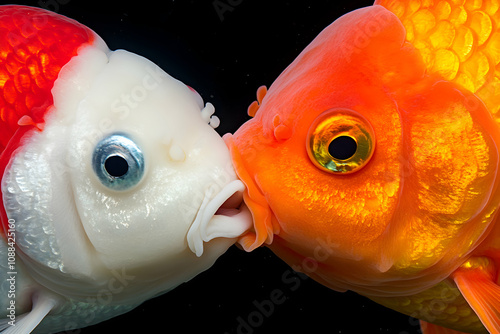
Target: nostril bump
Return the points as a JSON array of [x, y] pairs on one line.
[[177, 153], [207, 112], [214, 122]]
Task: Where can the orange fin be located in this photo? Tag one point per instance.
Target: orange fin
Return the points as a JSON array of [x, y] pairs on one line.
[[254, 107], [428, 328], [476, 280], [458, 41]]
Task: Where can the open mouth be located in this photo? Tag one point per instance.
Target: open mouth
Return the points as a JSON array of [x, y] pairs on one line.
[[231, 206], [221, 216]]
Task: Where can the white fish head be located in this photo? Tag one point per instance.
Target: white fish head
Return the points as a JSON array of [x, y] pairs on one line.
[[128, 176]]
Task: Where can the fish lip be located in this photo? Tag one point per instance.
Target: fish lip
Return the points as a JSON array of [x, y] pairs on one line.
[[265, 224], [231, 206], [223, 215]]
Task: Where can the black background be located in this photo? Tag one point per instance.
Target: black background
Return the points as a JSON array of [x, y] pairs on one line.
[[226, 58]]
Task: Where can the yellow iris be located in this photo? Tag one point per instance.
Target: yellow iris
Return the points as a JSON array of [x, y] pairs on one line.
[[340, 141]]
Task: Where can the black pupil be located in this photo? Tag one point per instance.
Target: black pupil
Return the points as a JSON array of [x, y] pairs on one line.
[[116, 166], [342, 148]]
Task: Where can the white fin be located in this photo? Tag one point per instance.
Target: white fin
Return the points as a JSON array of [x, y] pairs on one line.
[[4, 324], [26, 323]]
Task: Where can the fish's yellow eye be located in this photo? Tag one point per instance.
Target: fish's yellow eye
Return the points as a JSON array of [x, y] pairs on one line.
[[340, 141]]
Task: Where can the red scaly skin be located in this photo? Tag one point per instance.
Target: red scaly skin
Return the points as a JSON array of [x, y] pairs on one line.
[[34, 45]]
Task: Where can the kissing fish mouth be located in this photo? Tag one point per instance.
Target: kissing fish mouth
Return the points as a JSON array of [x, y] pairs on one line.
[[223, 216]]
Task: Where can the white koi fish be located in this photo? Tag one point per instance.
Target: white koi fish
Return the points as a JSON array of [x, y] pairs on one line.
[[115, 187]]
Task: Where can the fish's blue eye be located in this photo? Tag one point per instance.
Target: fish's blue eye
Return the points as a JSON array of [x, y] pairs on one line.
[[118, 162]]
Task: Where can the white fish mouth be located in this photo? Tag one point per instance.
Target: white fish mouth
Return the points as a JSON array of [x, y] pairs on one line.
[[220, 217]]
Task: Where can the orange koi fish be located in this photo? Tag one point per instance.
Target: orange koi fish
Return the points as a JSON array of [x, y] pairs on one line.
[[372, 163]]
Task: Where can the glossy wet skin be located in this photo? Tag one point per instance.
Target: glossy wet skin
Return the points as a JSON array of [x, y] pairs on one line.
[[414, 208], [80, 222], [251, 267], [140, 30], [90, 223]]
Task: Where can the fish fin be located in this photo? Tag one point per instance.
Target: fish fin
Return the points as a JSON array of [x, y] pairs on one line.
[[476, 280], [27, 322], [4, 323], [254, 107], [428, 328], [457, 42]]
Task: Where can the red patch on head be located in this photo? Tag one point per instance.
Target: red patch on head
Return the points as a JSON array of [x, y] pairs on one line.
[[34, 45]]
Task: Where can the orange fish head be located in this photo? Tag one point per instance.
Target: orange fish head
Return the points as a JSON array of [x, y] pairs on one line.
[[362, 168]]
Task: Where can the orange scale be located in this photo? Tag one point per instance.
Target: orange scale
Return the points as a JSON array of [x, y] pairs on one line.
[[34, 46], [56, 53], [20, 107], [21, 53], [4, 76], [30, 100], [12, 65], [9, 92], [47, 37], [22, 80], [10, 118]]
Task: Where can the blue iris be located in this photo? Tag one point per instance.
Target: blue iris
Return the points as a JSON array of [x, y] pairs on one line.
[[118, 162]]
